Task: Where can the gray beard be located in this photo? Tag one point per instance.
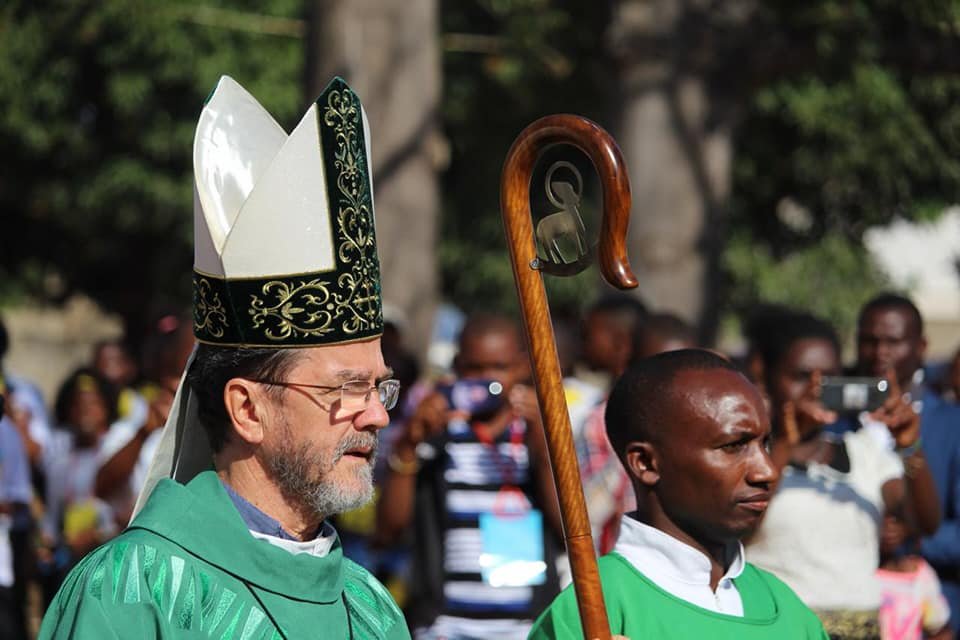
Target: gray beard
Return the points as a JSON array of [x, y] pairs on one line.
[[301, 474]]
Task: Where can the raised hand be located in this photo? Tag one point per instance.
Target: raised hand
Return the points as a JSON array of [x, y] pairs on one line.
[[523, 403], [428, 420], [159, 411], [898, 414]]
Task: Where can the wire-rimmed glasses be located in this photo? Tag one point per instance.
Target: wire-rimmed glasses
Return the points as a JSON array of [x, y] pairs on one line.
[[354, 394]]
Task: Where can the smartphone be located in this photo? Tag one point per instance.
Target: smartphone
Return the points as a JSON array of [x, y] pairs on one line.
[[845, 394], [477, 397]]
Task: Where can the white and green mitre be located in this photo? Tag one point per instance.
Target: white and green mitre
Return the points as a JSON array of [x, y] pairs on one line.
[[285, 252], [285, 249]]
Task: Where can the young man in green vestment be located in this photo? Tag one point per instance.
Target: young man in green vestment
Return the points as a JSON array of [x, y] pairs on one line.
[[274, 427], [693, 434]]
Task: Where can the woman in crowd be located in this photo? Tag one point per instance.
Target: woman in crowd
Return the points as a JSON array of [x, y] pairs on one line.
[[75, 521], [821, 532]]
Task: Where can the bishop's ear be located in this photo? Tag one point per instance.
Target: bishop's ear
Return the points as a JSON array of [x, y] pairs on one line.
[[246, 406], [642, 462]]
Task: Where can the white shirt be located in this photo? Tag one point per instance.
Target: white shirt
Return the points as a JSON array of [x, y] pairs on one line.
[[27, 396], [319, 546], [71, 474], [117, 437], [6, 553], [678, 568], [821, 531]]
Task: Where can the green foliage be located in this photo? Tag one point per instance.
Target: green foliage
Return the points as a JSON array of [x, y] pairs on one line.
[[858, 127], [541, 57], [98, 103], [849, 111], [856, 122], [831, 279]]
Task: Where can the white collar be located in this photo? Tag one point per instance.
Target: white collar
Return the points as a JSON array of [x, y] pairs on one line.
[[319, 546], [678, 568], [677, 559]]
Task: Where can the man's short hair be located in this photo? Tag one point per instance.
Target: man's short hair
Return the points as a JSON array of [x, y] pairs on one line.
[[665, 326], [889, 300], [638, 405], [483, 323], [761, 323], [213, 366]]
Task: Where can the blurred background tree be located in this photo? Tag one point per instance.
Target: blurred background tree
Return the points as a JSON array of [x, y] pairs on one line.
[[854, 120], [98, 105], [779, 124], [763, 138], [507, 63], [390, 53]]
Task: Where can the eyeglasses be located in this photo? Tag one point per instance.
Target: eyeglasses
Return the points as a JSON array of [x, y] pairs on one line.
[[355, 394]]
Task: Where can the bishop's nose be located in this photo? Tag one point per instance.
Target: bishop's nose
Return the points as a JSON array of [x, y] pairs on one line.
[[375, 415]]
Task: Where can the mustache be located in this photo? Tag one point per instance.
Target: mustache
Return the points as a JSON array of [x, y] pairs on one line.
[[357, 441]]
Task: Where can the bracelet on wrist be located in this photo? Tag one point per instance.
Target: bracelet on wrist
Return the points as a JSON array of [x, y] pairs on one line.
[[909, 450], [403, 467], [913, 465]]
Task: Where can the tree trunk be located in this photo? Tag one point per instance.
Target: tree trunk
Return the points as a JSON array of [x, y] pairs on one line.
[[677, 143], [388, 51]]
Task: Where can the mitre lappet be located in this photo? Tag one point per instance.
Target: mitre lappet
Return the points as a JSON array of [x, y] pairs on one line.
[[285, 252]]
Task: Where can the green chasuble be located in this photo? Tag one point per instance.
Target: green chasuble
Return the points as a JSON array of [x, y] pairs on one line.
[[638, 608], [187, 567]]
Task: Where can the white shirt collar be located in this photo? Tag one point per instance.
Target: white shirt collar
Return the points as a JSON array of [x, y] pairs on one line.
[[678, 568], [319, 546]]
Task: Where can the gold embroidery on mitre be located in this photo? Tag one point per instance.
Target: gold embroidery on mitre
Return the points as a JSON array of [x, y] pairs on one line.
[[322, 307], [358, 301], [294, 310], [209, 315]]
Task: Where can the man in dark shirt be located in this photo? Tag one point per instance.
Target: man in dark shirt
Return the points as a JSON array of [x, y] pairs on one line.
[[890, 337]]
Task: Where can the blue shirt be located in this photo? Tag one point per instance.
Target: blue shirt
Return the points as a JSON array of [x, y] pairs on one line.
[[940, 430], [257, 520], [14, 465]]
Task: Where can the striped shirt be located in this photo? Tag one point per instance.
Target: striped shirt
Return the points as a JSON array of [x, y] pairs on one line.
[[467, 478]]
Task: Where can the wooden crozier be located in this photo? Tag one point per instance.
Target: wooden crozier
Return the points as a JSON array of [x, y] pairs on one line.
[[518, 168]]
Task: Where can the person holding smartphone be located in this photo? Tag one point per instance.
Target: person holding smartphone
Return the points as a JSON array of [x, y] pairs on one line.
[[890, 337], [470, 472], [821, 532]]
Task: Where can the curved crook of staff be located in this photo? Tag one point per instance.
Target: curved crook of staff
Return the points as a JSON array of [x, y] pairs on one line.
[[600, 147]]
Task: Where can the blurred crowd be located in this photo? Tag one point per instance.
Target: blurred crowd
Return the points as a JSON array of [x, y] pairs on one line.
[[866, 532], [71, 466]]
